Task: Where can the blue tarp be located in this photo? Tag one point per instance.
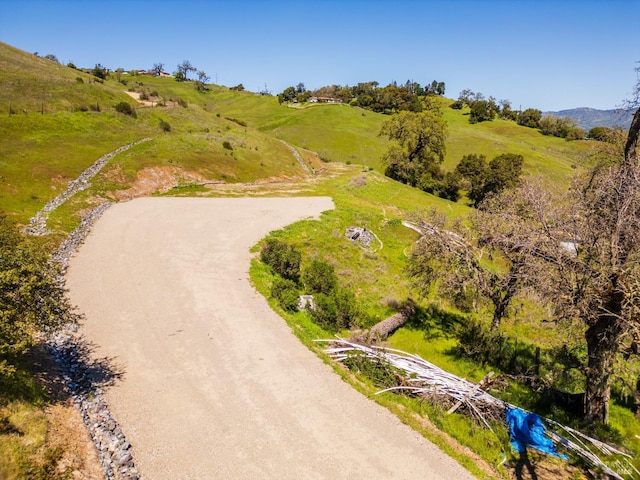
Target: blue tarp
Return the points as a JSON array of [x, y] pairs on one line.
[[527, 430]]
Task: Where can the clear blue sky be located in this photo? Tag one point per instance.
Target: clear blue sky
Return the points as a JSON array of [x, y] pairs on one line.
[[545, 54]]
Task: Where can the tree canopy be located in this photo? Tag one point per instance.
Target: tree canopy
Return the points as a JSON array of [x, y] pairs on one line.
[[416, 148], [483, 179], [31, 299], [584, 257]]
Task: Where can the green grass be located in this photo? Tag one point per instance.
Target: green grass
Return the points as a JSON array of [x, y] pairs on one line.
[[32, 85], [554, 158], [351, 134], [42, 153]]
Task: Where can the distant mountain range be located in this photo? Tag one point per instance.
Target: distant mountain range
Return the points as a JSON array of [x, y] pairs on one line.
[[588, 118]]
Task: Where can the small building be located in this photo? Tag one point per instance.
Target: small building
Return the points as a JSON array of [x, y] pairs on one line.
[[325, 100]]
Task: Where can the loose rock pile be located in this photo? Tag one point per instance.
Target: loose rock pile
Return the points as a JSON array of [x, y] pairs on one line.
[[38, 224], [82, 378], [297, 157], [70, 244], [359, 234]]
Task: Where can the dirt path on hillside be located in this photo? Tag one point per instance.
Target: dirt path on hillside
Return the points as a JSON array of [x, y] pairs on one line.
[[215, 383], [144, 103]]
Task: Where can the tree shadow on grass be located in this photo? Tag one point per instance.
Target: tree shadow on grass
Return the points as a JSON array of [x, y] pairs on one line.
[[434, 321], [57, 371]]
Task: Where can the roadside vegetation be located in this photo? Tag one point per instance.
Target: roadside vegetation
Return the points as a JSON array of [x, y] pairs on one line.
[[210, 140]]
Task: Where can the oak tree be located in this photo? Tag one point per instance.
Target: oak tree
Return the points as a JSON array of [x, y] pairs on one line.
[[31, 298], [416, 147]]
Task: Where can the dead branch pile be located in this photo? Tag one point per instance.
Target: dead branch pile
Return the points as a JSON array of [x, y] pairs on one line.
[[422, 378]]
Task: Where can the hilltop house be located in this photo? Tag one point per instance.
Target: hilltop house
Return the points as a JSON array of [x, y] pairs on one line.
[[325, 100]]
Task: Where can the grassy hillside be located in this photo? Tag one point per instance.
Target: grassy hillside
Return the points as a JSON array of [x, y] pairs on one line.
[[221, 142], [351, 134], [32, 84], [43, 149]]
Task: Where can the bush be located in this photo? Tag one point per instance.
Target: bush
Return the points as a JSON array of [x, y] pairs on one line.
[[99, 72], [283, 258], [226, 145], [79, 80], [380, 372], [164, 126], [337, 310], [320, 277], [348, 311], [480, 343], [126, 109], [326, 311], [286, 293]]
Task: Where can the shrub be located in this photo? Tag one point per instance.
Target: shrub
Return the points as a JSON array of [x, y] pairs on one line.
[[348, 311], [575, 133], [286, 293], [380, 372], [164, 126], [480, 343], [182, 102], [79, 80], [326, 311], [126, 109], [320, 277], [337, 311], [227, 145], [99, 72], [283, 258]]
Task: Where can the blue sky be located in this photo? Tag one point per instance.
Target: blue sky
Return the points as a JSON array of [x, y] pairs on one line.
[[550, 55]]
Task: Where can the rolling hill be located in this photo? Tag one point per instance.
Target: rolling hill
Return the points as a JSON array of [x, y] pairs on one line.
[[588, 118]]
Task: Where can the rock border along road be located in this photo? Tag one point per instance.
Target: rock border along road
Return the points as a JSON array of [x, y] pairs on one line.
[[215, 384]]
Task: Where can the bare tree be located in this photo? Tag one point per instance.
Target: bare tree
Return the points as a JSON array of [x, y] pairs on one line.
[[454, 262], [203, 78], [184, 68], [157, 69], [584, 258]]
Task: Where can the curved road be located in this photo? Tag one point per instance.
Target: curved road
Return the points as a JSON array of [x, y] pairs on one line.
[[216, 386]]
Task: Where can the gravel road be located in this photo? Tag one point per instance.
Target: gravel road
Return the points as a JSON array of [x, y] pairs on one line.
[[215, 385]]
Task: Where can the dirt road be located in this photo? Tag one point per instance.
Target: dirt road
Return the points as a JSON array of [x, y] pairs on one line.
[[216, 386]]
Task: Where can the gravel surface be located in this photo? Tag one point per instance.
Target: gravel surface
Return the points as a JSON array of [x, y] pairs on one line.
[[215, 384]]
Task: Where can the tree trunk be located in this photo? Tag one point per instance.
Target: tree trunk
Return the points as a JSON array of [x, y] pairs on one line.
[[501, 302], [386, 327], [636, 396], [603, 340], [630, 150]]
